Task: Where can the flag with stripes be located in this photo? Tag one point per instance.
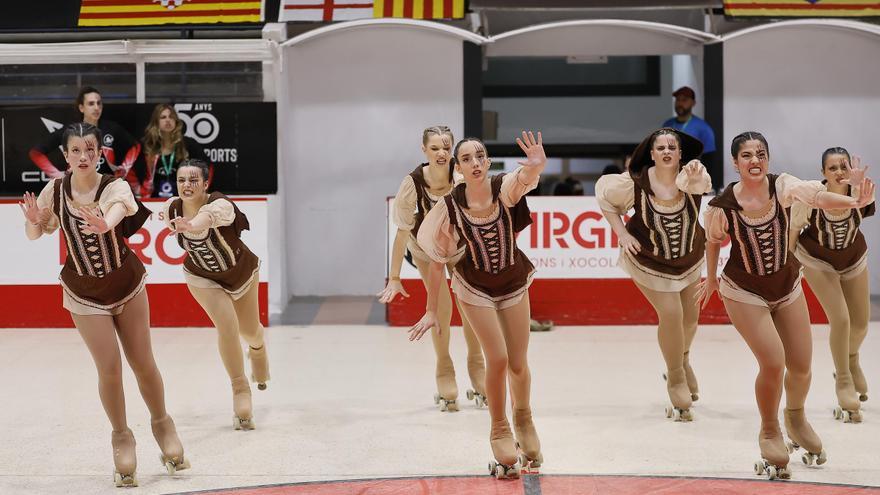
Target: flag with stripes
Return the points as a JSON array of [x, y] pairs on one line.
[[802, 8], [325, 10], [346, 10], [154, 12], [419, 9]]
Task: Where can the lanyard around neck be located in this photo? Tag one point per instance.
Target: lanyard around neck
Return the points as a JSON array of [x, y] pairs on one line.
[[167, 165]]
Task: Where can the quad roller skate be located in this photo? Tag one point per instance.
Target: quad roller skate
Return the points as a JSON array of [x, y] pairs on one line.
[[477, 372], [506, 464], [774, 455], [528, 443], [861, 385], [124, 459], [802, 435], [848, 409], [679, 395], [169, 443], [241, 404], [447, 390]]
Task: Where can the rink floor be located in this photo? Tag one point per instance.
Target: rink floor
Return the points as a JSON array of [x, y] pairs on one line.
[[355, 403]]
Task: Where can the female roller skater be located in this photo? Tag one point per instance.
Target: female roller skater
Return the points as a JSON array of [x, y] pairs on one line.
[[418, 193], [491, 281], [103, 288], [223, 275], [834, 254], [663, 245], [761, 289]]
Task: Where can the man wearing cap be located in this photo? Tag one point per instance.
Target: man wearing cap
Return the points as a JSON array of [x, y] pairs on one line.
[[685, 121]]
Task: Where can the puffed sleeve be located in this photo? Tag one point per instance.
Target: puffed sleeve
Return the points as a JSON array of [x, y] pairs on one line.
[[118, 191], [404, 212], [790, 189], [715, 222], [166, 213], [614, 193], [46, 199], [437, 237], [221, 212], [701, 184], [800, 216], [513, 189]]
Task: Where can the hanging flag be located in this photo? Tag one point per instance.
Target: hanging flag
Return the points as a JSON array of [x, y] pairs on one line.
[[346, 10], [419, 9], [802, 8], [154, 12], [325, 10]]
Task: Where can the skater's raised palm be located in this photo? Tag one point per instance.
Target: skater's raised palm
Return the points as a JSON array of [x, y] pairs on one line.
[[866, 193], [32, 212], [857, 174], [181, 225], [392, 288], [428, 321], [94, 222], [694, 170], [534, 150]]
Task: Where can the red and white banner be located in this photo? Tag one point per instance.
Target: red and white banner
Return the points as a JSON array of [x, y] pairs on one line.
[[578, 280], [325, 10], [31, 293]]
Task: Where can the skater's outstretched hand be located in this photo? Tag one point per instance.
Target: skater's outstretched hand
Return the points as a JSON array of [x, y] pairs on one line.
[[694, 170], [33, 213], [181, 225], [94, 222], [629, 243], [392, 288], [704, 292], [856, 173], [866, 193], [533, 148], [428, 321]]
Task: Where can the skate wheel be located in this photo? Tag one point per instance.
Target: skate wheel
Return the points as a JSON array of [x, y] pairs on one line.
[[125, 480], [771, 472], [847, 417], [491, 468], [436, 398], [470, 394], [759, 468], [669, 412], [451, 406], [836, 412], [791, 446], [169, 466], [822, 458], [676, 414], [807, 459]]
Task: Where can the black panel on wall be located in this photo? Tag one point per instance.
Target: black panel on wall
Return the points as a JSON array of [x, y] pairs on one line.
[[713, 88], [473, 89]]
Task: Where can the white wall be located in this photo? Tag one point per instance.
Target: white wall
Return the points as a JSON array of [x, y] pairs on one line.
[[357, 101], [807, 88]]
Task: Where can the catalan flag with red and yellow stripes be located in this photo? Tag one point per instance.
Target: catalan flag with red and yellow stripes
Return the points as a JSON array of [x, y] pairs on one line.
[[155, 12], [802, 8], [419, 9]]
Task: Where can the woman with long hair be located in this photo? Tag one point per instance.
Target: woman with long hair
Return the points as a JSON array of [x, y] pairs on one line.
[[165, 148]]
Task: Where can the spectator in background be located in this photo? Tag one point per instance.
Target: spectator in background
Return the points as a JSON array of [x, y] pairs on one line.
[[119, 149], [685, 121], [568, 187], [165, 147]]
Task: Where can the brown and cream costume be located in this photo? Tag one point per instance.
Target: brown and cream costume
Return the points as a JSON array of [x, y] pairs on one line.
[[411, 204], [761, 270], [831, 243], [494, 272], [671, 238], [217, 257], [100, 273]]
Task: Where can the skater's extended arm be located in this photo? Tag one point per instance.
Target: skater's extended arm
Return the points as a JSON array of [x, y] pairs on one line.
[[614, 193], [432, 286], [394, 286], [38, 213], [716, 233]]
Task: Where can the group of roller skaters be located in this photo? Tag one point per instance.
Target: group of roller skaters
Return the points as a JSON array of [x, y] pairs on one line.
[[451, 214]]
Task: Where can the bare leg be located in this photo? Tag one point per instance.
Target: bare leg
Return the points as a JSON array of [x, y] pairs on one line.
[[247, 310], [218, 305], [755, 325], [487, 327], [670, 335], [475, 362], [690, 320], [828, 290], [858, 301], [99, 334], [447, 389]]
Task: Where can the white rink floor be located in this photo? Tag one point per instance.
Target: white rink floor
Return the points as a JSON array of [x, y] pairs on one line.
[[356, 402]]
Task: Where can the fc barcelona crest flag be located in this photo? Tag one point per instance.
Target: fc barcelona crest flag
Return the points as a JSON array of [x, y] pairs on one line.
[[802, 8]]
